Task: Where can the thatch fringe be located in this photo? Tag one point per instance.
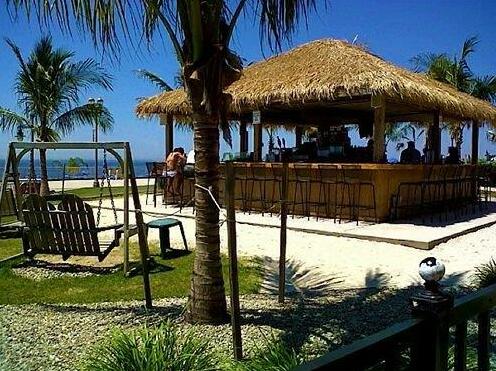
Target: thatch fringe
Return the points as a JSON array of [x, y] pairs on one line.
[[326, 70]]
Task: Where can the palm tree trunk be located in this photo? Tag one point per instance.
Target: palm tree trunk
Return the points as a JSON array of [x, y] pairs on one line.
[[207, 302], [44, 190], [32, 174]]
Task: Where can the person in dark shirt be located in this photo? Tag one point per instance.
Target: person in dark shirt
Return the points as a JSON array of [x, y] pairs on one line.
[[453, 156], [410, 155]]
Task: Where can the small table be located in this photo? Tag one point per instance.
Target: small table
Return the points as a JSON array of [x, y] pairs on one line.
[[163, 226]]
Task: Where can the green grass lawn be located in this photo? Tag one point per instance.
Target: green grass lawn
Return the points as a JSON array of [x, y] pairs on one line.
[[9, 248], [173, 281]]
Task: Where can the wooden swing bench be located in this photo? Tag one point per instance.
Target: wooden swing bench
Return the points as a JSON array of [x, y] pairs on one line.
[[69, 230], [8, 210]]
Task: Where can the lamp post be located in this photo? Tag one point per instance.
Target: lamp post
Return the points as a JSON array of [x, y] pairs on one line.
[[99, 102], [20, 138]]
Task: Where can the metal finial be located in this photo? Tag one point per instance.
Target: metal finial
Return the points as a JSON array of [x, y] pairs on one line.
[[431, 269]]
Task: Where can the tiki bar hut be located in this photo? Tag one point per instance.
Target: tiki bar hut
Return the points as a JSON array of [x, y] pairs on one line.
[[328, 85]]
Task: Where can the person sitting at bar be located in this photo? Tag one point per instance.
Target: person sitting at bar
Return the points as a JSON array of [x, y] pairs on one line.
[[410, 155], [175, 162], [370, 150], [452, 157]]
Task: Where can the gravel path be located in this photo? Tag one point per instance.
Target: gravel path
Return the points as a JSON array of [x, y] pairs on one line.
[[55, 337], [38, 270]]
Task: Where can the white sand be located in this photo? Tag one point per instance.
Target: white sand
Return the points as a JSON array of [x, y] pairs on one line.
[[56, 185], [345, 262]]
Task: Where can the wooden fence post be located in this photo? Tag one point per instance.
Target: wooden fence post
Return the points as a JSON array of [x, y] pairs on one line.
[[430, 352], [483, 341], [233, 260], [283, 232]]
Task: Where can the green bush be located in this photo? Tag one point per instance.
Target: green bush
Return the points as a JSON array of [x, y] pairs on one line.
[[485, 274], [152, 349], [276, 356]]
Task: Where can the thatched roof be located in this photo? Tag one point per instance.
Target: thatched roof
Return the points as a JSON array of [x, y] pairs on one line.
[[324, 71]]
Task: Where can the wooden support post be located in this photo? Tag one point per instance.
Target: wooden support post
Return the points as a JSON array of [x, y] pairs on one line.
[[125, 175], [483, 341], [140, 224], [168, 123], [283, 232], [461, 347], [475, 142], [257, 142], [430, 350], [229, 190], [243, 137], [14, 163], [435, 136], [298, 136], [7, 169], [379, 105]]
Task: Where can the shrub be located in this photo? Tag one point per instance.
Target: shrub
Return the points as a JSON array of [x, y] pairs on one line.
[[277, 356], [151, 349], [485, 274]]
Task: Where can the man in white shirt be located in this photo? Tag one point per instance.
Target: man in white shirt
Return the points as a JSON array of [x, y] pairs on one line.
[[190, 159], [189, 169]]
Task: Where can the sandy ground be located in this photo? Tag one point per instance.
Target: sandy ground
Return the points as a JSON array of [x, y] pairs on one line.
[[340, 262], [56, 185]]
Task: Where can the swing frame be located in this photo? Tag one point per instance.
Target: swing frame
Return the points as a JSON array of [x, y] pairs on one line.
[[129, 177]]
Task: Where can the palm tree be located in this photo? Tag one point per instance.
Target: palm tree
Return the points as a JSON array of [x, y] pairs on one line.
[[48, 86], [450, 70], [396, 132], [485, 88], [200, 33], [456, 71]]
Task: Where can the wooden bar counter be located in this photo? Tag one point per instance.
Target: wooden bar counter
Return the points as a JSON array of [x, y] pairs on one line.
[[257, 186]]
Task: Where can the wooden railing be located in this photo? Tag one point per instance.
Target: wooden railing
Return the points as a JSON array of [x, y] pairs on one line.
[[420, 343]]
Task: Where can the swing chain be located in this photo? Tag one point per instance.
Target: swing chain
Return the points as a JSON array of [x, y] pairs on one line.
[[105, 176]]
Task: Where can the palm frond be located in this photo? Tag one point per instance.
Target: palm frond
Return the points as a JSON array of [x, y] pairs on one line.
[[84, 115], [484, 87], [468, 47], [100, 18], [278, 19], [12, 121], [154, 79]]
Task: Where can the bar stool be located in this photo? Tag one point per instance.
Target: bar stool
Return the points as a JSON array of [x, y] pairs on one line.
[[276, 179], [328, 175], [302, 183], [355, 182], [190, 180], [149, 170], [483, 186], [258, 178], [408, 199], [432, 194], [466, 189], [168, 178], [449, 189], [241, 178], [314, 188], [156, 171]]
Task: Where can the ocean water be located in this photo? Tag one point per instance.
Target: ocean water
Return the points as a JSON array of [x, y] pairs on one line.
[[55, 170]]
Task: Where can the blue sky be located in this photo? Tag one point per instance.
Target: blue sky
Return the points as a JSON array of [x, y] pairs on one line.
[[395, 30]]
